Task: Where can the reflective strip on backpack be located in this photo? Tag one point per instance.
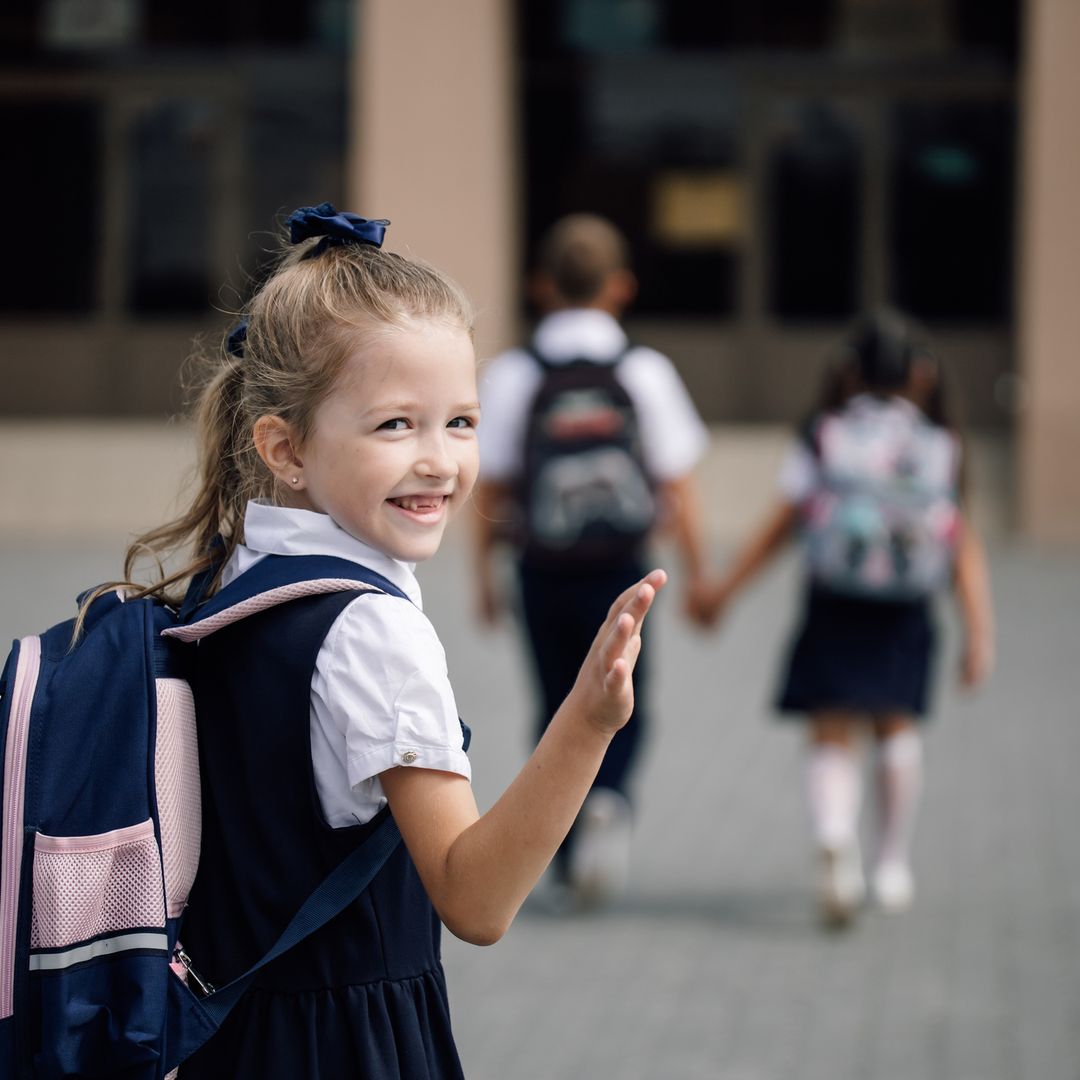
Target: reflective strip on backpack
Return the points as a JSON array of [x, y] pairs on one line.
[[11, 842], [78, 954]]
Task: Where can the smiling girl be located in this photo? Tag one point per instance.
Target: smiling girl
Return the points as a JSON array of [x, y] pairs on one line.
[[341, 421]]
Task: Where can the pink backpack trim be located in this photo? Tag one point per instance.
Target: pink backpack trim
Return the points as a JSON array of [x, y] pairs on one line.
[[204, 627]]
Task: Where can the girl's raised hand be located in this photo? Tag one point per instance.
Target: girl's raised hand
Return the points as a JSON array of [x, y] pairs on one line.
[[604, 689]]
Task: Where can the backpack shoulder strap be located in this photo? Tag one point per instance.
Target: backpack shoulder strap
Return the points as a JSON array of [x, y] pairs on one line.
[[277, 579], [809, 433], [547, 365], [336, 891], [274, 580], [200, 1018]]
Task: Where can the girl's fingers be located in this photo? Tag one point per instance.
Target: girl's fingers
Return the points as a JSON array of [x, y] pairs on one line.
[[655, 579], [624, 620], [623, 643], [617, 677], [640, 603]]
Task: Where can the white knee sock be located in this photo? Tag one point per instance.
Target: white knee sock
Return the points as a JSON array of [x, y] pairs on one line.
[[900, 775], [834, 792]]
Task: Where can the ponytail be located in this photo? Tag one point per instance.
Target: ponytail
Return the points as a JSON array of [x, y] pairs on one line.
[[217, 510]]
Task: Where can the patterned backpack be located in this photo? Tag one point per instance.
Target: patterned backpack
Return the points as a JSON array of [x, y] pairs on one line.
[[100, 832], [585, 498], [884, 520]]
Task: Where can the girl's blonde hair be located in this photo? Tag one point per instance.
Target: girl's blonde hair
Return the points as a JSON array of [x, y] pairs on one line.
[[302, 324]]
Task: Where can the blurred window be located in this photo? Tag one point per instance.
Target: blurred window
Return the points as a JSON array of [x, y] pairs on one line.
[[50, 193], [605, 26], [650, 140], [814, 189], [952, 222], [172, 197]]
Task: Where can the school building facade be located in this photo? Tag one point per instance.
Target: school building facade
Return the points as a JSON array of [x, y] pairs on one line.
[[777, 169]]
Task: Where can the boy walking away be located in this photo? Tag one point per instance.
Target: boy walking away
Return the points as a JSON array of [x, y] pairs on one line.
[[587, 447]]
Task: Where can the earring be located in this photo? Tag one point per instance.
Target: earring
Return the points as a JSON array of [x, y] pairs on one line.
[[296, 480]]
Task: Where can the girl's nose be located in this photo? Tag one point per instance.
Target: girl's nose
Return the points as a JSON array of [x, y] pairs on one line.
[[436, 458]]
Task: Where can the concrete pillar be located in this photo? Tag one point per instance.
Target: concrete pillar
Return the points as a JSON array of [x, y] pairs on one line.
[[1049, 309], [433, 144]]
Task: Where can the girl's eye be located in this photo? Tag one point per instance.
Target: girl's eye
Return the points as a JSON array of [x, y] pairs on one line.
[[399, 423], [461, 422]]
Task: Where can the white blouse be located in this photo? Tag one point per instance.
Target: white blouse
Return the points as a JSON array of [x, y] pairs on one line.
[[380, 694]]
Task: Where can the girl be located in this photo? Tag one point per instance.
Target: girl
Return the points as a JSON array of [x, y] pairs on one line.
[[342, 421], [874, 484]]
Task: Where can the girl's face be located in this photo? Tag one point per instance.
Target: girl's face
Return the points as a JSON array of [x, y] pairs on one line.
[[392, 454]]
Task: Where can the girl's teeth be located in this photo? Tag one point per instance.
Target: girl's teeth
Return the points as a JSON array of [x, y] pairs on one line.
[[416, 505]]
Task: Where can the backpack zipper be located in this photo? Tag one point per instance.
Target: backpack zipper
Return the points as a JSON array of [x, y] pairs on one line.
[[18, 736]]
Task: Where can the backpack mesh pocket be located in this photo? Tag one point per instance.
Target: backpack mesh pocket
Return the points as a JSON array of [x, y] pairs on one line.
[[86, 886], [176, 773]]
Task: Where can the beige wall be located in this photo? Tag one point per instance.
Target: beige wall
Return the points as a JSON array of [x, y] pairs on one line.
[[1049, 338], [433, 145]]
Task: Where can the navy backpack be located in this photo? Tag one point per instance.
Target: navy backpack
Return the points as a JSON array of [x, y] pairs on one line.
[[585, 497], [101, 830]]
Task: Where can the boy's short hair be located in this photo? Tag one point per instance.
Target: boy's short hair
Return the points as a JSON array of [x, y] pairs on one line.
[[579, 252]]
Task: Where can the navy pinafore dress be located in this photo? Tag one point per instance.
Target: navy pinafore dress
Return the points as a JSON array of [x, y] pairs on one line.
[[364, 997]]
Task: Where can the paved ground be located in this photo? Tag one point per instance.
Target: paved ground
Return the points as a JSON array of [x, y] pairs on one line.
[[713, 965]]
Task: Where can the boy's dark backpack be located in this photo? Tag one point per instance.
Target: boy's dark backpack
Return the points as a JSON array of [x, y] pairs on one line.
[[100, 831], [585, 497]]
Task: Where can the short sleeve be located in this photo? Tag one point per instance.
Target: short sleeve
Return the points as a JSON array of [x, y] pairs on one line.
[[383, 685], [673, 435], [508, 385], [799, 473]]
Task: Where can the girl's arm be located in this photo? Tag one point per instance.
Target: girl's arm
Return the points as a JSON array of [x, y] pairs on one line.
[[478, 869], [757, 552], [972, 585]]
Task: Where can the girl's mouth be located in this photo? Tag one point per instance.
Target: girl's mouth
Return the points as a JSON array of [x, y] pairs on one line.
[[421, 507]]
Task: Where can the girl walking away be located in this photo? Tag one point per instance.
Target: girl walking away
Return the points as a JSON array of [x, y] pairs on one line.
[[874, 484], [340, 423]]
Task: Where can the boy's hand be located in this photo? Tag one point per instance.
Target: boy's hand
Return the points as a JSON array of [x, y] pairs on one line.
[[698, 601], [604, 688], [713, 599]]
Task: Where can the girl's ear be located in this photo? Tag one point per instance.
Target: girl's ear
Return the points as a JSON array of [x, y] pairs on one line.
[[276, 444]]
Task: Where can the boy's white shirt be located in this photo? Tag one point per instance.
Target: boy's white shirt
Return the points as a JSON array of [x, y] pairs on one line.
[[380, 694], [673, 436]]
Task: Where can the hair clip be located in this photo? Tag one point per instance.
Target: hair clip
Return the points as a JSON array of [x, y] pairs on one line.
[[234, 345], [334, 226]]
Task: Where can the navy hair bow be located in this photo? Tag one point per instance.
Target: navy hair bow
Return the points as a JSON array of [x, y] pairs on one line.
[[334, 226], [234, 346]]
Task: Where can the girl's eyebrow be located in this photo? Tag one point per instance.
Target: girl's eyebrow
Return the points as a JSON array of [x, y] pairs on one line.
[[409, 406], [391, 406]]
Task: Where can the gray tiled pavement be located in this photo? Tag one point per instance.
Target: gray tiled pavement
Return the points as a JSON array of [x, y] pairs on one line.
[[713, 964]]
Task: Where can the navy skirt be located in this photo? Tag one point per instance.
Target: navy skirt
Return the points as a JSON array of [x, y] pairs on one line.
[[856, 654]]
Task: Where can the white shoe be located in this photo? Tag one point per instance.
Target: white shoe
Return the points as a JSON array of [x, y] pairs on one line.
[[600, 856], [842, 888], [894, 887]]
